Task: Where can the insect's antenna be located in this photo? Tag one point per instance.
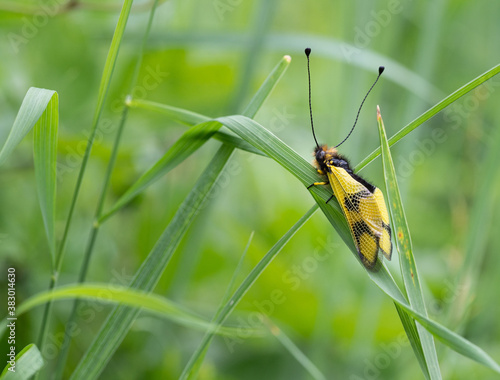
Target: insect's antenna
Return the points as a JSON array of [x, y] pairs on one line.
[[380, 71], [308, 51]]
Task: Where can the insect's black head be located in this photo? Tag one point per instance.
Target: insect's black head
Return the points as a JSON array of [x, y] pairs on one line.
[[323, 154], [319, 154]]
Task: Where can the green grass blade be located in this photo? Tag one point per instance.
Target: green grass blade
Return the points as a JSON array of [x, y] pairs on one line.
[[480, 226], [268, 143], [28, 362], [186, 145], [267, 87], [103, 90], [295, 351], [118, 323], [453, 340], [431, 112], [411, 331], [161, 306], [294, 43], [40, 111], [189, 369], [361, 57], [33, 106], [192, 139], [189, 118], [194, 365], [45, 158], [402, 239], [179, 115], [101, 97], [63, 353]]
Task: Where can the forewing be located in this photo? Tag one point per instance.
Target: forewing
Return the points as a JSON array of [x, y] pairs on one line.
[[361, 209]]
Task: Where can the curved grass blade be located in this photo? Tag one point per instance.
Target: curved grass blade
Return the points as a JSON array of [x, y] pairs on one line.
[[121, 318], [64, 351], [192, 139], [27, 363], [453, 340], [190, 118], [262, 139], [295, 351], [109, 67], [408, 266], [480, 225], [179, 115], [410, 327], [195, 365], [45, 158], [363, 58], [40, 111], [327, 47], [33, 106], [431, 112], [190, 368], [101, 97], [186, 145], [161, 306]]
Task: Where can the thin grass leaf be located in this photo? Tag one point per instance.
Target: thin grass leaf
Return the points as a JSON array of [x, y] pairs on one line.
[[189, 118], [431, 112], [186, 145], [479, 227], [161, 306], [103, 91], [109, 67], [189, 369], [262, 139], [28, 362], [45, 158], [63, 353], [176, 114], [410, 328], [453, 340], [195, 365], [295, 351], [40, 111], [192, 139], [405, 249], [294, 43], [33, 106], [121, 318]]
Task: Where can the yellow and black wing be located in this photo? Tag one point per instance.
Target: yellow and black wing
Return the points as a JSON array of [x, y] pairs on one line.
[[366, 214]]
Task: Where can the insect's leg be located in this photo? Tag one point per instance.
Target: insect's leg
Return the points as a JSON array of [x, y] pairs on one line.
[[329, 199], [318, 184]]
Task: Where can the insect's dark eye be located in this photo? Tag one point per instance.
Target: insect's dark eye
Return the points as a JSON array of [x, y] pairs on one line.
[[320, 156]]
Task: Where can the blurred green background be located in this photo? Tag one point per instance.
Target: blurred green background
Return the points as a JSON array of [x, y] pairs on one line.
[[210, 57]]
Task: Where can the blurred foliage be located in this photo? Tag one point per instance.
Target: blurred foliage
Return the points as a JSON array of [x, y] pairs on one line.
[[210, 57]]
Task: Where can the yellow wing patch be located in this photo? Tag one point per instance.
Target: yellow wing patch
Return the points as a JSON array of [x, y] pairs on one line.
[[385, 239], [366, 214]]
